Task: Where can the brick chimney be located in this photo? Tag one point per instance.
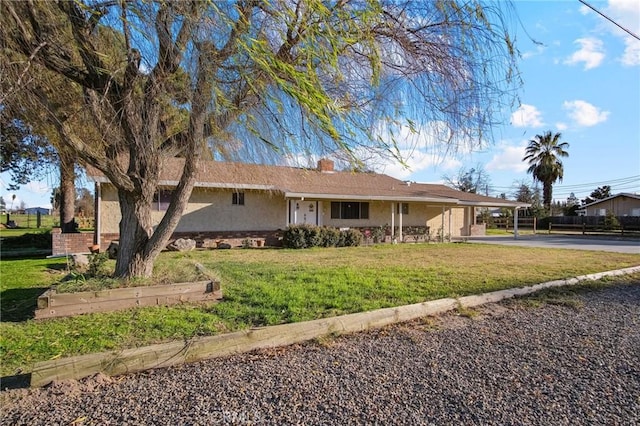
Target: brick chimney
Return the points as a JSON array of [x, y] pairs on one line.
[[325, 165]]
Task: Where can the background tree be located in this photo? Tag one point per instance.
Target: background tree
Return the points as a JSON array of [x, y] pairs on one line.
[[600, 193], [23, 154], [571, 206], [296, 76], [544, 154], [526, 192], [475, 180]]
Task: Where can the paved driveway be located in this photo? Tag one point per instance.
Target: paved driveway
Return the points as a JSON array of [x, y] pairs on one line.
[[578, 242]]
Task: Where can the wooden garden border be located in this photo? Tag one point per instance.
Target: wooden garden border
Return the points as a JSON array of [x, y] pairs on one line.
[[201, 348], [52, 304]]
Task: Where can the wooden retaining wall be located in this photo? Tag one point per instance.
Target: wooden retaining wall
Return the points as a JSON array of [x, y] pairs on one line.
[[201, 348], [52, 304]]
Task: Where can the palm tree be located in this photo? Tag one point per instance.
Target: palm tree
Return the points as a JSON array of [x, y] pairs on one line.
[[543, 154]]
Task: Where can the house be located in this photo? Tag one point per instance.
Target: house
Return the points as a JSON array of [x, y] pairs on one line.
[[233, 201], [623, 204]]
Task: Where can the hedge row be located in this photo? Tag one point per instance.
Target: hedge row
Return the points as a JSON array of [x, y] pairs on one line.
[[307, 236]]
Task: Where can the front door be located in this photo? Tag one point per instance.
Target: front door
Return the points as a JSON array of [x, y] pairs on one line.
[[304, 211]]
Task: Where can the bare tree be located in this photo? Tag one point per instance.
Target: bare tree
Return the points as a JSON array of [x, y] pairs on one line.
[[475, 180], [296, 76]]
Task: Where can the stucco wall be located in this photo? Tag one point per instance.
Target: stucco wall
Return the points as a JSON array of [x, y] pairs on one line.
[[210, 210]]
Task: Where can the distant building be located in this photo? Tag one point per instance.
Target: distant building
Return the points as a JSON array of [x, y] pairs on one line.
[[36, 210], [624, 204]]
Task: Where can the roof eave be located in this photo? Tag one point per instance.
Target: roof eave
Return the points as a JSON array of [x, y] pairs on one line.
[[369, 197]]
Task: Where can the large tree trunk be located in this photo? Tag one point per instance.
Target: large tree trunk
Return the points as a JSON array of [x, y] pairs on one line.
[[136, 229], [140, 240], [547, 195], [67, 193]]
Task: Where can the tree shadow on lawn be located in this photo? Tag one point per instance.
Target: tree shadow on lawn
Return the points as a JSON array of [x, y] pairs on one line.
[[19, 304]]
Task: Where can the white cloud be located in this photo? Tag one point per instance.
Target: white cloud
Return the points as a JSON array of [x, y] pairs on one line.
[[417, 161], [591, 52], [626, 13], [631, 55], [585, 114], [509, 158], [562, 126], [527, 116], [539, 50]]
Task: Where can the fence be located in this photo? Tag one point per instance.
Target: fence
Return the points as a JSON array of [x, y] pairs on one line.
[[571, 223], [30, 221]]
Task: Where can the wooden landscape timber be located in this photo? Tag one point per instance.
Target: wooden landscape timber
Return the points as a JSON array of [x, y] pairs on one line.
[[201, 348], [52, 304]]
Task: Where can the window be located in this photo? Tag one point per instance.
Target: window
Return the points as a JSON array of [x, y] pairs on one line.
[[238, 198], [405, 208], [162, 199], [349, 210]]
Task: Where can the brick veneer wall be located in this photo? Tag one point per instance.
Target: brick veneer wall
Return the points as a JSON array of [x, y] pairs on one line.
[[478, 230], [235, 238], [70, 243]]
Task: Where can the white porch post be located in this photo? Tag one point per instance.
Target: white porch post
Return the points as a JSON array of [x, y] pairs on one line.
[[450, 213], [400, 222], [442, 226], [393, 220], [515, 223], [287, 213], [96, 214]]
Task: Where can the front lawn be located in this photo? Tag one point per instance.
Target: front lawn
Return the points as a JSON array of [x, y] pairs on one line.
[[274, 286]]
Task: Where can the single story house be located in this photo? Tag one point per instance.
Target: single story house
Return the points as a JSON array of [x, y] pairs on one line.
[[233, 201], [623, 204]]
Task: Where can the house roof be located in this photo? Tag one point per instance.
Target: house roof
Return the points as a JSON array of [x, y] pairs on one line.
[[622, 194], [296, 182]]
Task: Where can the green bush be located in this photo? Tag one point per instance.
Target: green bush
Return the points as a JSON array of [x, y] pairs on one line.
[[294, 237], [330, 237], [352, 237], [611, 222], [39, 240], [312, 236], [307, 236]]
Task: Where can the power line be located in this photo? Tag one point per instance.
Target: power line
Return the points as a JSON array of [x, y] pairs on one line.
[[610, 20]]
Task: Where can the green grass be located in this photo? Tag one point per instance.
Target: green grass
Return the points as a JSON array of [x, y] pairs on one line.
[[29, 221], [271, 286]]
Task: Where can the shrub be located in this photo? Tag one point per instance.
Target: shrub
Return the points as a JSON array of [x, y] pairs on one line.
[[312, 236], [611, 222], [39, 240], [352, 237], [330, 237], [294, 237], [307, 236]]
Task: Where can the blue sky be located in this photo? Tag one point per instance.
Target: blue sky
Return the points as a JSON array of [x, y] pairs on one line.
[[583, 80]]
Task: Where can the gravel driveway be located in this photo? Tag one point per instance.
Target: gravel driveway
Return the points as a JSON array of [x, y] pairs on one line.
[[575, 361]]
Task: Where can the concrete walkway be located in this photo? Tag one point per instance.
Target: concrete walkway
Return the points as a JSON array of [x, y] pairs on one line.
[[577, 242]]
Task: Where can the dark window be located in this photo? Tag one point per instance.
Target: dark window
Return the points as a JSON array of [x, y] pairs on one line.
[[335, 210], [162, 199], [349, 210], [405, 208], [238, 198]]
